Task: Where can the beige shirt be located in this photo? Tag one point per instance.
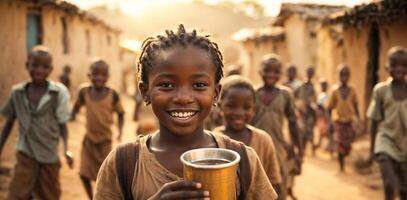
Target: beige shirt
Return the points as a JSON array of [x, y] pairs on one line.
[[150, 176], [270, 118], [99, 115], [262, 143], [391, 137], [343, 110]]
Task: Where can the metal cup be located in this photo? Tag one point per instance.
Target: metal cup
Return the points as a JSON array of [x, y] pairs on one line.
[[215, 169]]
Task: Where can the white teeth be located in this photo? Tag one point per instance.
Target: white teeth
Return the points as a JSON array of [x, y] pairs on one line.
[[182, 114]]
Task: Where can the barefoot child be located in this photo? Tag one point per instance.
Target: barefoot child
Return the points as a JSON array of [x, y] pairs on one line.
[[273, 104], [306, 96], [343, 106], [180, 74], [388, 112], [41, 108], [237, 107], [100, 102]]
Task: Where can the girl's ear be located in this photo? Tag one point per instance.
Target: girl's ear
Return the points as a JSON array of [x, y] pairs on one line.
[[218, 88], [143, 88]]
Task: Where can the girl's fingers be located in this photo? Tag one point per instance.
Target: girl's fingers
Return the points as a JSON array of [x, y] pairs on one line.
[[182, 185], [186, 194]]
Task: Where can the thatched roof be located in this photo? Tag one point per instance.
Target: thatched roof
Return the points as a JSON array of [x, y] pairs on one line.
[[384, 12], [306, 11], [260, 34], [69, 9]]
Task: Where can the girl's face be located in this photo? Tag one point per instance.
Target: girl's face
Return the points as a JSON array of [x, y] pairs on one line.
[[181, 88], [398, 67], [238, 107], [271, 73]]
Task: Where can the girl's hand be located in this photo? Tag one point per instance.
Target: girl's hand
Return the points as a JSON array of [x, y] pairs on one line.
[[181, 190]]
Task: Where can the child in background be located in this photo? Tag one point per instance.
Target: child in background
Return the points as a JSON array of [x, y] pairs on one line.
[[388, 112], [180, 74], [64, 78], [273, 104], [292, 81], [306, 95], [41, 108], [343, 106], [100, 102], [323, 116], [237, 102]]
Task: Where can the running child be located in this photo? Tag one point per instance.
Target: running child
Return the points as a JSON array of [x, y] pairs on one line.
[[101, 102], [41, 108], [307, 96], [343, 106], [180, 73], [388, 112], [274, 104]]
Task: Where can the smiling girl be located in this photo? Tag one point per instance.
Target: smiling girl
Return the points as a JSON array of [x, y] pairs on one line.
[[180, 74]]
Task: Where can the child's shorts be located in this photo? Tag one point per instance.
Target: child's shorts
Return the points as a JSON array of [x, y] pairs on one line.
[[33, 179], [394, 173], [92, 157]]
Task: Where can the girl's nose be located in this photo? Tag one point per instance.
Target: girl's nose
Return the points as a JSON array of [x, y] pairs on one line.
[[183, 96]]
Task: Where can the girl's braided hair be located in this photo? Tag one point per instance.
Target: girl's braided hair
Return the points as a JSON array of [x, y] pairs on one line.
[[153, 45]]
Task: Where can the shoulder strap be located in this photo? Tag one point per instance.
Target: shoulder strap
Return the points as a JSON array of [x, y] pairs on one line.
[[126, 158], [244, 171]]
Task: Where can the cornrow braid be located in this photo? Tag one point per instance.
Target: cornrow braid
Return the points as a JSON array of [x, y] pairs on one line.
[[153, 45]]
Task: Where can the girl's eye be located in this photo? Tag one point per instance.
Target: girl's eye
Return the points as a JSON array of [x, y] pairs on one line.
[[166, 85], [200, 85]]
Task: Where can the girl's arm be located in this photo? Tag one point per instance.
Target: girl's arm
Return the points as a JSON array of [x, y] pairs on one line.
[[373, 132]]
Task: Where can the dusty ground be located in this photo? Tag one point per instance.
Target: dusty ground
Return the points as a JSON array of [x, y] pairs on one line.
[[320, 179]]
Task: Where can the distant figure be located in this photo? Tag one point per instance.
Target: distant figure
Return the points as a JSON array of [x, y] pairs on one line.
[[233, 70], [292, 81], [64, 78], [306, 96], [146, 126], [101, 102], [323, 116], [138, 100], [274, 103], [237, 106], [388, 112], [343, 106], [41, 108]]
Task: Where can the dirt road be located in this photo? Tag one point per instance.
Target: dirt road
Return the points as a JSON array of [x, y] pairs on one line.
[[320, 179]]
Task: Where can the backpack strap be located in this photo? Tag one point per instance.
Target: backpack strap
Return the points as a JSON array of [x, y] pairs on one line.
[[126, 158], [244, 171]]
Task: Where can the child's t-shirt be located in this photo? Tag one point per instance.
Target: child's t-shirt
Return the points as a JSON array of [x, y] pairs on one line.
[[38, 133], [262, 143], [391, 137], [99, 114], [150, 176], [343, 110]]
